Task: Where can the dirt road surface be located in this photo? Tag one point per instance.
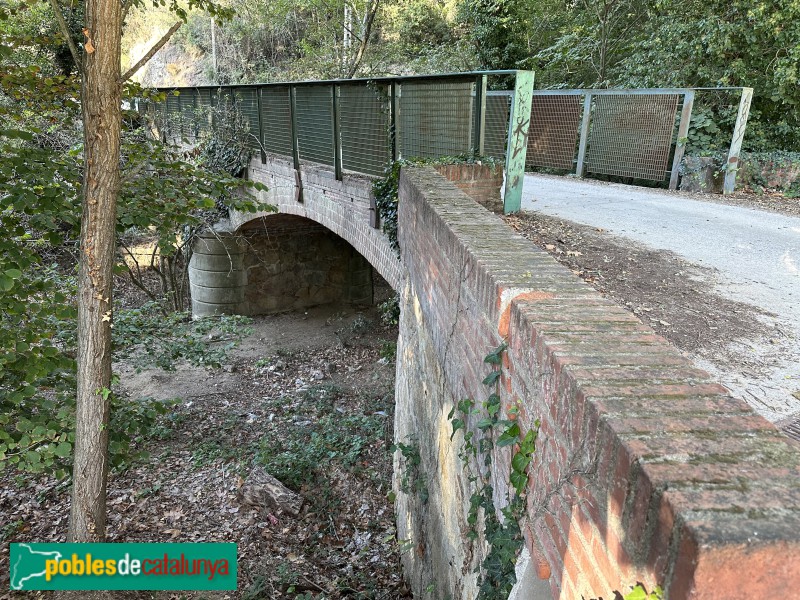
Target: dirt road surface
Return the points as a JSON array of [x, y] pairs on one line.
[[721, 282]]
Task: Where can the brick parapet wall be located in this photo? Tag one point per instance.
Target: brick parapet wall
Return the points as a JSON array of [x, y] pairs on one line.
[[481, 182], [341, 206], [646, 470]]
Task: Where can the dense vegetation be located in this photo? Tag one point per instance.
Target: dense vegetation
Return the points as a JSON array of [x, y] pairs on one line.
[[583, 43], [163, 200]]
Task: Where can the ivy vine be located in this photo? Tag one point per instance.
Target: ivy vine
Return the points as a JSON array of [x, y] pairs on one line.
[[386, 189], [227, 147], [497, 573]]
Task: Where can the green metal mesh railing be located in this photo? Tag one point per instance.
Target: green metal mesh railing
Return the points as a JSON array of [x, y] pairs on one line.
[[553, 139], [359, 125], [174, 116], [314, 106], [498, 109], [631, 136], [276, 120], [247, 104], [639, 134], [364, 124], [203, 111], [435, 119], [352, 125]]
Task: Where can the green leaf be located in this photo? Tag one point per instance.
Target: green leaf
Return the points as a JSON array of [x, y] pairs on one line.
[[63, 450], [492, 378], [520, 462], [16, 134], [495, 357], [528, 444], [518, 481], [509, 436], [638, 593], [457, 424]]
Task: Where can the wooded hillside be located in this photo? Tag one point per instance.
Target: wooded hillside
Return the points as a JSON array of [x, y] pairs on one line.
[[580, 43]]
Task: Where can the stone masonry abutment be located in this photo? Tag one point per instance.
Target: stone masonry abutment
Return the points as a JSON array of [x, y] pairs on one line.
[[343, 207], [320, 250], [292, 262], [645, 470]]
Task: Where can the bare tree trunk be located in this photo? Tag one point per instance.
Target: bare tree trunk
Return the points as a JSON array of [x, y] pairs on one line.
[[101, 100], [366, 31]]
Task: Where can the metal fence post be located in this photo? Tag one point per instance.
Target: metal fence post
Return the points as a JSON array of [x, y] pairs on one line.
[[680, 143], [519, 125], [214, 102], [394, 111], [337, 141], [295, 146], [732, 166], [584, 139], [480, 115], [181, 116], [196, 113], [165, 120], [259, 107]]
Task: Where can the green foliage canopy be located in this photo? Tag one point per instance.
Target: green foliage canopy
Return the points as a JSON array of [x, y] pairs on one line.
[[41, 178]]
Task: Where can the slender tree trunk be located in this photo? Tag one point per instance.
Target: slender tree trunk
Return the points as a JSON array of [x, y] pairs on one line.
[[101, 100], [366, 31]]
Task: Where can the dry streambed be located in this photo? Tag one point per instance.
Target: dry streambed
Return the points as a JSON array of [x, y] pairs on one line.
[[308, 397]]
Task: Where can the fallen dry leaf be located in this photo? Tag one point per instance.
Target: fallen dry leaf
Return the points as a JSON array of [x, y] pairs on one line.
[[88, 45]]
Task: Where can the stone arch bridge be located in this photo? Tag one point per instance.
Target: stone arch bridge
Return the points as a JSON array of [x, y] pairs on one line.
[[645, 469]]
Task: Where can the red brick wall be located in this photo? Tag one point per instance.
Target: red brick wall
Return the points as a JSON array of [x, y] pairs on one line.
[[646, 470], [482, 183]]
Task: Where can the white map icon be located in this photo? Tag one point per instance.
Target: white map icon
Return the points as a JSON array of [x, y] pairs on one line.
[[26, 554]]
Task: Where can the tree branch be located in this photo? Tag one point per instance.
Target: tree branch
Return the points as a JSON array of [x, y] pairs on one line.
[[158, 45], [126, 6], [62, 25]]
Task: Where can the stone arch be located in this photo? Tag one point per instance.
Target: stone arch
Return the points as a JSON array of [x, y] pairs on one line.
[[341, 206], [291, 262], [337, 215]]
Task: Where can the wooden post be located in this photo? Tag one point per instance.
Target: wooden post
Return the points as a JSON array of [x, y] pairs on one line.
[[683, 132], [479, 126], [732, 165], [519, 125], [584, 139]]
